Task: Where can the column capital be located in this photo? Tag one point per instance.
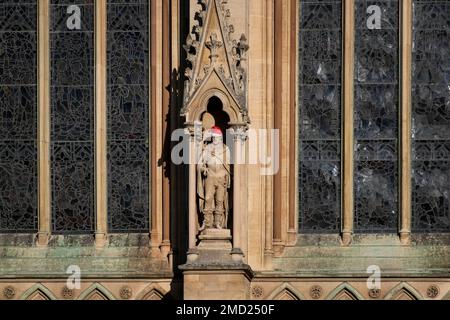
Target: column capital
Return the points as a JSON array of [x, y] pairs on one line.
[[239, 131], [194, 129]]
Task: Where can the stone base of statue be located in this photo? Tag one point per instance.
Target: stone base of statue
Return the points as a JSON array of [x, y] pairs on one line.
[[215, 268], [215, 239]]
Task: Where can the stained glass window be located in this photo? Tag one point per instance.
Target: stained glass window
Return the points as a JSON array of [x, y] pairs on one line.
[[72, 115], [128, 116], [376, 115], [431, 117], [320, 116], [18, 116]]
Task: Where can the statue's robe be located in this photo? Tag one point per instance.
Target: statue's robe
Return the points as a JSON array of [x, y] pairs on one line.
[[222, 158]]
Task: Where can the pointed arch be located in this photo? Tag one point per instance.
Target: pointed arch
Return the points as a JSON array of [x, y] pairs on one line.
[[38, 292], [344, 292], [214, 89], [286, 292], [403, 291], [152, 292], [96, 292]]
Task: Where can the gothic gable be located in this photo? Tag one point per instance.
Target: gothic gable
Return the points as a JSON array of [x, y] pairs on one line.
[[214, 58]]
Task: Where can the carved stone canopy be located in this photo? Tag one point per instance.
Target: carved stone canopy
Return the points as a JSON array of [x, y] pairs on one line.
[[216, 65]]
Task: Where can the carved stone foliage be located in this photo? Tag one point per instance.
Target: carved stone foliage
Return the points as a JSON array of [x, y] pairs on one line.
[[316, 292], [433, 291], [9, 292], [257, 292], [67, 293], [126, 292], [212, 48]]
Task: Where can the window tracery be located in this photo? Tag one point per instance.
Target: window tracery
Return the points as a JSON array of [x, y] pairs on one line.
[[320, 116], [18, 116], [128, 116]]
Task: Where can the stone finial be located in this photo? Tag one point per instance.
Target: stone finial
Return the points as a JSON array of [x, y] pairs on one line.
[[214, 45]]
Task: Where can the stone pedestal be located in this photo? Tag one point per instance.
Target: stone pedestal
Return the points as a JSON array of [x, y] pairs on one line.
[[215, 270]]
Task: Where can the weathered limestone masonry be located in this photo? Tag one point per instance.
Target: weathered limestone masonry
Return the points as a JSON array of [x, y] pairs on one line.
[[124, 269]]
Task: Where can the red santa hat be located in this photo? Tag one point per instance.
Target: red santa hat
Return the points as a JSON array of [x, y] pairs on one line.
[[216, 132]]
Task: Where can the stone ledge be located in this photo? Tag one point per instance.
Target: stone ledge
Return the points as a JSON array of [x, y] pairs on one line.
[[350, 275], [85, 240]]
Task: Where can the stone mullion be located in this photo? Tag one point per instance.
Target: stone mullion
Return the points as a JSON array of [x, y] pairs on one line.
[[348, 125], [44, 122], [156, 101], [405, 138], [101, 188]]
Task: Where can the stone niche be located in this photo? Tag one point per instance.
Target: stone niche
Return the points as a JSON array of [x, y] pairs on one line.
[[215, 103]]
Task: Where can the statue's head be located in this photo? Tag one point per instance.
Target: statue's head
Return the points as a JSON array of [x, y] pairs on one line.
[[217, 136]]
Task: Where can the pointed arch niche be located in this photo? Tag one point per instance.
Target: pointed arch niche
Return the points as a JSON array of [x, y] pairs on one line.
[[215, 95]]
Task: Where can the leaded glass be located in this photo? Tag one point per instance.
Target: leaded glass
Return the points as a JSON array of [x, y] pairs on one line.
[[320, 116], [18, 116], [128, 116], [431, 117], [72, 118], [376, 116]]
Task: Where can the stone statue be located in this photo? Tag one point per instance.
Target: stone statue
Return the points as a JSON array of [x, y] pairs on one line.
[[213, 181]]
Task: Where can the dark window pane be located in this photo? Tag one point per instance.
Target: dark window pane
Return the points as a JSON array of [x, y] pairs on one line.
[[128, 116], [431, 117], [72, 119], [376, 117], [18, 116], [320, 116]]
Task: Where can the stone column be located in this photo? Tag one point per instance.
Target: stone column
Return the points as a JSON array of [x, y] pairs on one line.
[[239, 137], [191, 131]]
